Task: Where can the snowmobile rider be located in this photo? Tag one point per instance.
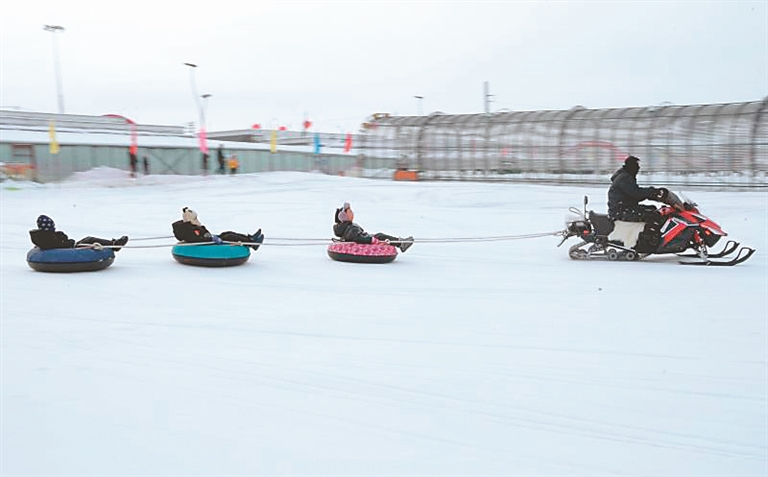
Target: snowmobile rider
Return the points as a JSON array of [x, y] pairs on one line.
[[189, 229], [46, 237], [624, 197], [348, 231]]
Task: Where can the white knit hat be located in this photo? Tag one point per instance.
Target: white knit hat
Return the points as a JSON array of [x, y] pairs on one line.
[[189, 215]]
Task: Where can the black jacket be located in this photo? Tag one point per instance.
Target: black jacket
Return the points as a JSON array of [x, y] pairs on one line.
[[49, 239], [625, 192], [351, 232], [189, 232]]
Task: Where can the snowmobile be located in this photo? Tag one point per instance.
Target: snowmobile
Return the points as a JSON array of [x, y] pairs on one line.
[[680, 227]]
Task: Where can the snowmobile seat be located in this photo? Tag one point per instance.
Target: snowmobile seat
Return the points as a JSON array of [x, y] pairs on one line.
[[602, 224]]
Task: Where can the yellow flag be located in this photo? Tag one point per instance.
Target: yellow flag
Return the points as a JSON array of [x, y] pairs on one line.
[[273, 143], [53, 148]]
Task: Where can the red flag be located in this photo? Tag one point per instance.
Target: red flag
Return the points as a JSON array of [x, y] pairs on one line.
[[348, 143], [203, 143], [307, 124], [134, 147], [283, 128], [256, 126]]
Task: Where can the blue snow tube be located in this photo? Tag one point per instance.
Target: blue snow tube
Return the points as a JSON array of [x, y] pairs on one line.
[[70, 259], [210, 254]]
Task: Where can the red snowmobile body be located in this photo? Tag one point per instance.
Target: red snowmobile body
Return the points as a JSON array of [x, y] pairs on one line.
[[687, 228]]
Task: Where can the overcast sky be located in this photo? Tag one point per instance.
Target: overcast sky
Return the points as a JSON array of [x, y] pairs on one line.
[[276, 63]]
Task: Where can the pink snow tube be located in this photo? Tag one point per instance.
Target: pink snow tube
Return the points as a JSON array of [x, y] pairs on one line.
[[362, 253]]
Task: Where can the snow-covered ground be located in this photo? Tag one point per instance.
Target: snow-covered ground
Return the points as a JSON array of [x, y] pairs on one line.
[[459, 358]]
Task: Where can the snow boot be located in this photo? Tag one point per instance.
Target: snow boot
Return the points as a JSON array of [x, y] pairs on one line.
[[258, 238], [121, 241]]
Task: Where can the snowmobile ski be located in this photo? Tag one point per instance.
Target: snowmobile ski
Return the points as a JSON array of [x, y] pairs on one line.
[[742, 256], [729, 248]]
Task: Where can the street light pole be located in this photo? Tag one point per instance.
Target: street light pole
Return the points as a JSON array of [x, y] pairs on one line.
[[201, 130], [203, 110], [53, 29], [487, 98], [421, 105], [195, 97]]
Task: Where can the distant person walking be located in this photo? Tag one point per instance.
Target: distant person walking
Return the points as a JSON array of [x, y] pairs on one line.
[[233, 164], [146, 166], [134, 162], [205, 163], [222, 162]]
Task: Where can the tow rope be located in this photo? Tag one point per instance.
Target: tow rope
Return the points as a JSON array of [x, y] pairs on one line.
[[303, 242]]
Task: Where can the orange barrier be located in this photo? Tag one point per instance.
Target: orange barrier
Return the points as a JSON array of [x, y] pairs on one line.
[[18, 170], [402, 175]]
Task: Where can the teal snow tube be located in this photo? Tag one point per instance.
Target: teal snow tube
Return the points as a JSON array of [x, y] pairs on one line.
[[211, 255]]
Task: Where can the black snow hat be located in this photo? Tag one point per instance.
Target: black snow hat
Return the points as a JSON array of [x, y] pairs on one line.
[[632, 165], [45, 223]]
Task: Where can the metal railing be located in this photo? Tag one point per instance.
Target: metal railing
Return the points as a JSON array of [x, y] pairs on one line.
[[716, 144], [36, 121]]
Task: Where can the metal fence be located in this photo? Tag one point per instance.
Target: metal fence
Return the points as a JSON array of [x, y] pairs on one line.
[[88, 142], [716, 144], [34, 162]]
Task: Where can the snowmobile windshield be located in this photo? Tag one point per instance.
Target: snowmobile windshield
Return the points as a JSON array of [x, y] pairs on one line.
[[682, 199], [673, 200]]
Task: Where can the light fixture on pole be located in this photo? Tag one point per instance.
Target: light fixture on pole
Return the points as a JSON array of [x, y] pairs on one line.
[[421, 104], [54, 29]]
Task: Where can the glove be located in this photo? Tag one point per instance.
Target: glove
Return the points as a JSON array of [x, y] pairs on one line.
[[661, 194], [216, 239], [375, 241]]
